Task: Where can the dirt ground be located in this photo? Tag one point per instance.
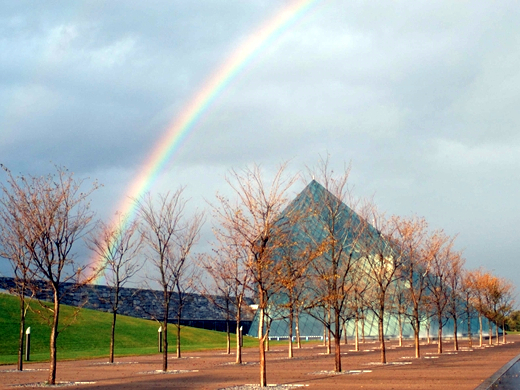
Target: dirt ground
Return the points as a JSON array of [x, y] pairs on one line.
[[310, 367]]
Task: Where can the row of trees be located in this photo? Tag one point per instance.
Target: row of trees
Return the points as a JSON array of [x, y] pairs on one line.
[[314, 255], [41, 220], [318, 256]]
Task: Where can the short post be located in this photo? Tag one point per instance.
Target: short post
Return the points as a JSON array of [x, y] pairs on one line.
[[28, 343], [241, 340], [159, 338]]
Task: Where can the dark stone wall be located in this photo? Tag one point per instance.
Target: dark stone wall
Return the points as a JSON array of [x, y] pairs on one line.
[[198, 310]]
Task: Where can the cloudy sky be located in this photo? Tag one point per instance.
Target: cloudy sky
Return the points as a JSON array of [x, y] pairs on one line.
[[420, 97]]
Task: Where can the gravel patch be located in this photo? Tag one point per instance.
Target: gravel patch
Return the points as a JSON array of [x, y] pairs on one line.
[[273, 387], [288, 358], [241, 364], [350, 372], [58, 384], [183, 357], [168, 372], [112, 364], [26, 370]]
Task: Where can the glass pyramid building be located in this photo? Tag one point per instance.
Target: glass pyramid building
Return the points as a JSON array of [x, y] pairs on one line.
[[310, 203]]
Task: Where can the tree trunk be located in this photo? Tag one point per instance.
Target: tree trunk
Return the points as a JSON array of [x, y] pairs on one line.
[[228, 338], [382, 338], [345, 337], [54, 338], [261, 337], [470, 338], [428, 324], [298, 341], [439, 335], [337, 342], [112, 336], [180, 303], [496, 333], [490, 332], [178, 338], [363, 327], [480, 328], [326, 333], [504, 331], [416, 337], [165, 344], [115, 305], [22, 332], [356, 336], [455, 339], [239, 347], [166, 305], [400, 321], [329, 342], [291, 314]]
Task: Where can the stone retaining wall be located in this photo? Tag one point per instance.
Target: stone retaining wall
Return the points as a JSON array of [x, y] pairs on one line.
[[141, 303]]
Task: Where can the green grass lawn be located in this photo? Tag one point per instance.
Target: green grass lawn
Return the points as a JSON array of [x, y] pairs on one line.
[[88, 336]]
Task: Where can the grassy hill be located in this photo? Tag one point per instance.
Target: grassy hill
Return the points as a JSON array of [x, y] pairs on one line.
[[88, 335]]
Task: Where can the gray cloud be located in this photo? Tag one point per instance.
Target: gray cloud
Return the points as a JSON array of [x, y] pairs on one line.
[[421, 97]]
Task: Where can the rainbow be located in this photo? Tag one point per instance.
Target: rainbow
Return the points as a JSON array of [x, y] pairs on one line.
[[181, 126]]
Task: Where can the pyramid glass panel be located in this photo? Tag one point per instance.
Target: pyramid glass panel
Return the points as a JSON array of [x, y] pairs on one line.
[[313, 206]]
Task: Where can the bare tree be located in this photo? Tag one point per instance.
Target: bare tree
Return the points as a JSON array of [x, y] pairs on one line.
[[187, 275], [506, 304], [427, 313], [456, 293], [54, 213], [170, 236], [232, 280], [219, 293], [485, 287], [336, 232], [400, 305], [118, 245], [411, 236], [467, 296], [295, 262], [498, 299], [478, 283], [356, 305], [255, 220], [440, 267], [12, 247], [382, 264]]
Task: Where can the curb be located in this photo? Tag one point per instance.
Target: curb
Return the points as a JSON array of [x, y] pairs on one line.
[[488, 383]]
